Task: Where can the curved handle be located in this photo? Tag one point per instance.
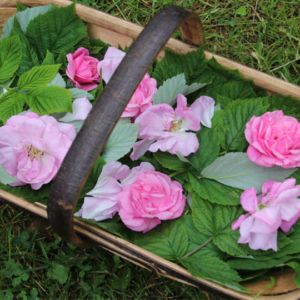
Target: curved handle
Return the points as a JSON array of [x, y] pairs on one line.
[[103, 117]]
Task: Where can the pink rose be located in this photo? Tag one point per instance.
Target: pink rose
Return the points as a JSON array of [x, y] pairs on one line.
[[274, 140], [32, 148], [150, 198], [277, 206], [142, 97], [163, 128], [82, 69], [204, 107]]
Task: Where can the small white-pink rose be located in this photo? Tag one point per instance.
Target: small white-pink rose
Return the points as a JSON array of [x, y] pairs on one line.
[[32, 147]]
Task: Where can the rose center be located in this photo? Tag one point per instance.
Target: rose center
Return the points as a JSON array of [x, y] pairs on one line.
[[261, 206], [34, 153], [175, 125]]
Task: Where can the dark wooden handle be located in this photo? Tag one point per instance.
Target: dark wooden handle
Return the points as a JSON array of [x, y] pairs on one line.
[[103, 117]]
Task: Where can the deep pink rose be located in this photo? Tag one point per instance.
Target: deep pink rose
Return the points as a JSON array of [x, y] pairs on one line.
[[150, 198], [32, 148], [82, 69], [165, 129], [143, 95], [277, 206], [274, 140]]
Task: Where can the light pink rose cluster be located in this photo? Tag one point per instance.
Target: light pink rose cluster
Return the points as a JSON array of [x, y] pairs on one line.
[[277, 207], [32, 148], [142, 97], [274, 140], [142, 196], [163, 128], [82, 69]]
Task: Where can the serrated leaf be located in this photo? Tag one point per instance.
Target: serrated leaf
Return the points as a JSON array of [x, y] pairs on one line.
[[58, 81], [236, 170], [120, 141], [20, 7], [49, 59], [5, 178], [50, 99], [78, 93], [168, 240], [11, 103], [10, 57], [210, 268], [37, 76], [232, 124], [214, 191], [30, 58], [290, 106], [208, 148], [238, 90], [56, 30], [172, 87], [170, 161], [296, 266]]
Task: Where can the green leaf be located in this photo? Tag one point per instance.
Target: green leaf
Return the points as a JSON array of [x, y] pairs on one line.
[[10, 57], [232, 123], [215, 192], [289, 105], [30, 58], [241, 11], [238, 90], [59, 272], [56, 30], [58, 81], [236, 170], [16, 281], [170, 161], [171, 88], [49, 59], [124, 277], [20, 7], [24, 277], [120, 141], [78, 93], [296, 267], [210, 268], [192, 64], [37, 76], [208, 148], [168, 240], [11, 103], [51, 99]]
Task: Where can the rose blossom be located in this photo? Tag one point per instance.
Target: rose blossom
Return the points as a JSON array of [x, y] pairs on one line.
[[274, 140], [82, 69], [163, 128], [150, 198], [143, 95], [103, 204], [204, 107], [277, 206], [32, 148]]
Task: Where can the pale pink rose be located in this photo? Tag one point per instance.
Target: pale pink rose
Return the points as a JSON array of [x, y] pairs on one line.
[[163, 128], [82, 69], [103, 204], [277, 206], [143, 95], [274, 140], [204, 107], [150, 198], [32, 148]]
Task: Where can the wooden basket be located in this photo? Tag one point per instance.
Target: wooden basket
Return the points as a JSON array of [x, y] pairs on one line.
[[80, 159]]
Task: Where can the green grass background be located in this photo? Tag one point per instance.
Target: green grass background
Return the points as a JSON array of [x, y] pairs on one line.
[[36, 264]]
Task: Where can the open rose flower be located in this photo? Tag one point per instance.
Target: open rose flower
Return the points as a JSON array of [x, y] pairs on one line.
[[277, 206], [150, 198], [142, 97], [274, 140], [163, 128], [82, 69], [32, 148]]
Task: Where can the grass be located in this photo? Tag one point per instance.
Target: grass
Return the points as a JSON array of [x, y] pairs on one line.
[[36, 264]]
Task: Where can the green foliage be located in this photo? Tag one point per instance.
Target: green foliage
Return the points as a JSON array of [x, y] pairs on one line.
[[49, 59], [20, 7], [169, 240], [232, 122], [169, 161], [10, 57], [56, 30], [11, 103], [289, 105]]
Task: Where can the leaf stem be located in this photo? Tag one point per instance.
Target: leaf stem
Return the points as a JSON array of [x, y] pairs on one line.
[[176, 173], [5, 87], [197, 249]]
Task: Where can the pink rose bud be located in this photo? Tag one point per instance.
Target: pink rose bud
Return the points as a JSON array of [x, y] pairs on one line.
[[150, 198], [32, 148], [82, 69], [277, 206], [274, 140]]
